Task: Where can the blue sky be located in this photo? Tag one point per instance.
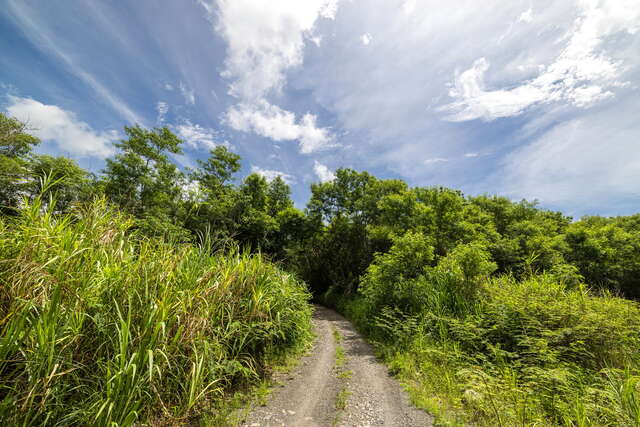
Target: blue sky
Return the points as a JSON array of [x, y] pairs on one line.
[[527, 99]]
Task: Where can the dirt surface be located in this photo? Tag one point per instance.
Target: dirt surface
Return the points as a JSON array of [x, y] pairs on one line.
[[309, 396]]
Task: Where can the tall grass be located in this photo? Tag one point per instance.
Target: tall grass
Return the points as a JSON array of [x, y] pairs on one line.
[[101, 326]]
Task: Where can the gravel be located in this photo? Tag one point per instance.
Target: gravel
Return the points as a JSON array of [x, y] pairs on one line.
[[307, 396]]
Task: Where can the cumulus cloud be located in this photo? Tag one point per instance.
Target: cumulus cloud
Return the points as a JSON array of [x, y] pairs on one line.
[[581, 75], [365, 39], [323, 173], [52, 123], [270, 174], [273, 122], [196, 136], [266, 39]]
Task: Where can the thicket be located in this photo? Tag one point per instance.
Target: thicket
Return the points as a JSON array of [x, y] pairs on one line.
[[103, 326], [492, 311]]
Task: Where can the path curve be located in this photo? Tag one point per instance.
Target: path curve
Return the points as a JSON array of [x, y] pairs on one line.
[[307, 396]]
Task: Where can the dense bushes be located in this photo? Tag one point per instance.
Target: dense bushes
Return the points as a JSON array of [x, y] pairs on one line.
[[101, 326], [531, 351]]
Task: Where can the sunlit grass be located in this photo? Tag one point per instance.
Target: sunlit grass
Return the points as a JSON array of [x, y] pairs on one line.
[[527, 353], [101, 326]]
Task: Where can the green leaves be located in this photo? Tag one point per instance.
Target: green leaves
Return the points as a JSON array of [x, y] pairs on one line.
[[140, 178], [100, 325]]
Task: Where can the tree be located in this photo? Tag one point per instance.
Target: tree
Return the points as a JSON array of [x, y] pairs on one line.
[[140, 178], [143, 181], [16, 145], [278, 196], [216, 172]]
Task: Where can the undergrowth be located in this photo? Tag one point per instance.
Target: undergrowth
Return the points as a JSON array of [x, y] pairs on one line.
[[500, 351], [101, 326]]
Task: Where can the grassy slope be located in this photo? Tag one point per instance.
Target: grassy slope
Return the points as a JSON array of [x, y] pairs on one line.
[[100, 326]]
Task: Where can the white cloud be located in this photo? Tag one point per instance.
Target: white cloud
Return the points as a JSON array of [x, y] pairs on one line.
[[162, 108], [270, 174], [526, 16], [470, 155], [168, 86], [409, 6], [197, 136], [580, 74], [188, 94], [323, 173], [273, 122], [435, 160], [52, 123], [365, 39], [266, 39]]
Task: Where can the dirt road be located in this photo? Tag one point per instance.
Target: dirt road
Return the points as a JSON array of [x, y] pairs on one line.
[[339, 383]]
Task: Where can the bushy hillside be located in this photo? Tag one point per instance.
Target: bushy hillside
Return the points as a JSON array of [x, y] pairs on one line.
[[103, 326], [500, 351]]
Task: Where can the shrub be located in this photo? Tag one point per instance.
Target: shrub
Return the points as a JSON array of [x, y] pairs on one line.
[[392, 280]]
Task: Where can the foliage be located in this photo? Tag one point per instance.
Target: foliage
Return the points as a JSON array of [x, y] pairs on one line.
[[528, 352], [102, 326], [140, 178], [15, 147], [494, 312]]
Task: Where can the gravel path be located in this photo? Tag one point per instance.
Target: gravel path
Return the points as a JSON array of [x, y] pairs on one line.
[[308, 396]]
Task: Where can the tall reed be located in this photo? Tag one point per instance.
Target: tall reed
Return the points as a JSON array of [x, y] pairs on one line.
[[102, 326]]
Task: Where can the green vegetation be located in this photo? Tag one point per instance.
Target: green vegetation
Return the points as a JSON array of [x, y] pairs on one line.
[[125, 297], [342, 374], [491, 312], [102, 326]]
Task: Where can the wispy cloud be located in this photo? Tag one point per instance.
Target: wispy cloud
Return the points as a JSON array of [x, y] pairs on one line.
[[188, 94], [435, 160], [161, 108], [581, 75], [41, 37], [588, 164]]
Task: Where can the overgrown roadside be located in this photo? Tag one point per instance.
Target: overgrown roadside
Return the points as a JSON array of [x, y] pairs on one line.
[[308, 395]]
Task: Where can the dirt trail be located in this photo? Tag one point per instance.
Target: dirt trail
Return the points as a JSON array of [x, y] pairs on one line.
[[308, 395]]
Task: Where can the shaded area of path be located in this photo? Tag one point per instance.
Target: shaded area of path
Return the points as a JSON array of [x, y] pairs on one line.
[[307, 396]]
